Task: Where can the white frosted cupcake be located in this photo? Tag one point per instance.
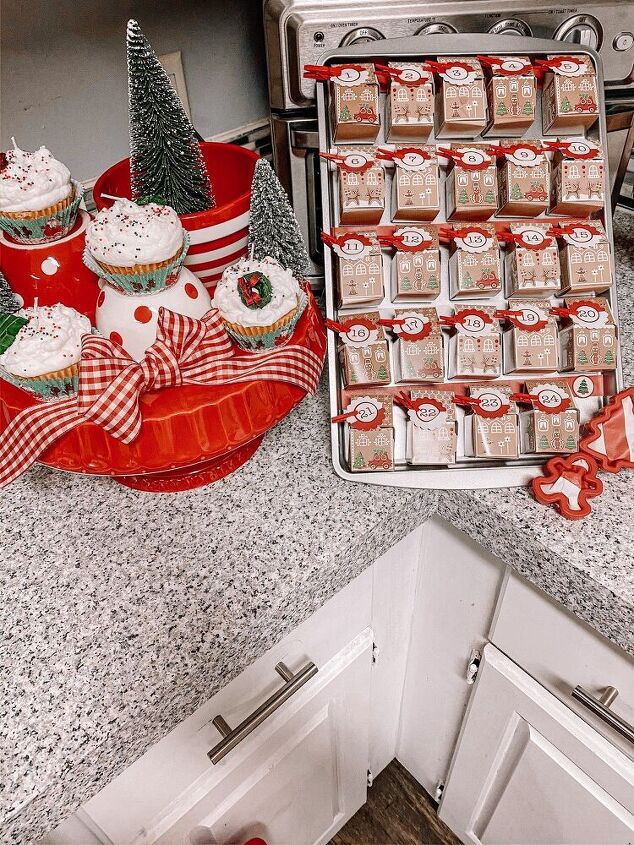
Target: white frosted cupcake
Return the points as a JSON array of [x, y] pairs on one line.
[[260, 303], [137, 248], [38, 199], [44, 356]]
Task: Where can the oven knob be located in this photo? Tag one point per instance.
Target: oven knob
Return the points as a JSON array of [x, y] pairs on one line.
[[362, 35], [511, 26], [582, 29], [438, 28]]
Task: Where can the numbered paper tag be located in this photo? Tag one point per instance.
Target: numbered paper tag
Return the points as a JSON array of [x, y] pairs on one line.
[[411, 159], [581, 149], [364, 413], [351, 247], [588, 314], [524, 156], [473, 240], [569, 67], [459, 74], [359, 332], [533, 239], [473, 159], [473, 322], [412, 326], [491, 403], [550, 398], [414, 240], [581, 235], [412, 76], [356, 161], [529, 318], [512, 66], [351, 75], [427, 414]]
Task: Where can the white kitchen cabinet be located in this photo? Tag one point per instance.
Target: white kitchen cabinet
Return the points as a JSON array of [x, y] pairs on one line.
[[528, 770]]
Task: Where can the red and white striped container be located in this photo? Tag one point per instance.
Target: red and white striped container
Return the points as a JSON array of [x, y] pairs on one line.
[[218, 237]]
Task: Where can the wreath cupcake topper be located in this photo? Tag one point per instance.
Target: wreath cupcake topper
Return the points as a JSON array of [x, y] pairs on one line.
[[255, 289]]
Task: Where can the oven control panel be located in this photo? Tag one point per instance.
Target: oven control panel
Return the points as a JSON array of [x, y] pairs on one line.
[[298, 32]]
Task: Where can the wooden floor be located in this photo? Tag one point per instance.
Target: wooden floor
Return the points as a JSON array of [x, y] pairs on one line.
[[398, 812]]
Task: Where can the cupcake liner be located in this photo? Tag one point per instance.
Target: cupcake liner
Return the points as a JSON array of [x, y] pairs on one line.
[[46, 226], [141, 278], [260, 338], [59, 384]]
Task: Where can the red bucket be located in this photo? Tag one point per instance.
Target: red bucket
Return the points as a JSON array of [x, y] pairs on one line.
[[218, 237]]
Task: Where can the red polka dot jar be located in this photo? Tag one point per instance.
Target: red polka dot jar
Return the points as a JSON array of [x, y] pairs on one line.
[[218, 237], [131, 320]]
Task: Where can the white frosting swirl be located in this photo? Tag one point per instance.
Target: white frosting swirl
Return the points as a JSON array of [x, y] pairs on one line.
[[33, 181], [50, 341], [127, 234], [284, 286]]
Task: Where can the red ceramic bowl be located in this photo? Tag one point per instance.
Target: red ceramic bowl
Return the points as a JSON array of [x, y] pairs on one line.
[[218, 237]]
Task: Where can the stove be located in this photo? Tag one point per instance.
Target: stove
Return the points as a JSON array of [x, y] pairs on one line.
[[298, 32]]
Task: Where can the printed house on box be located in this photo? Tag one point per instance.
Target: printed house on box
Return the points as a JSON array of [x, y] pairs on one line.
[[433, 445], [585, 257], [475, 273], [532, 263], [355, 107], [471, 192], [417, 273], [523, 179], [369, 363], [461, 103], [409, 114], [478, 352], [421, 360], [512, 95], [362, 189], [588, 338], [492, 437], [569, 97], [543, 432], [361, 277], [371, 451], [528, 349], [416, 188], [578, 184]]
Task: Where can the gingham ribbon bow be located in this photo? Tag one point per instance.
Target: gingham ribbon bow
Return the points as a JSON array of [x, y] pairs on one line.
[[111, 383]]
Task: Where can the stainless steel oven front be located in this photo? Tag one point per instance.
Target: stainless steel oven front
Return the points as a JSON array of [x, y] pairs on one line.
[[298, 32]]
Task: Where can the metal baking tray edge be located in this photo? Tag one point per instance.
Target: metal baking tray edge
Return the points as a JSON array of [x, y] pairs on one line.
[[446, 478]]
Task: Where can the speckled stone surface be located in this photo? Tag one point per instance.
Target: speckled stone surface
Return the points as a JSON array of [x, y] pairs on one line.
[[122, 612]]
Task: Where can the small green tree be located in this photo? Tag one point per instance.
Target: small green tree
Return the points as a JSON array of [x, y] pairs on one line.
[[570, 443], [582, 358], [565, 105], [9, 302], [467, 280], [609, 357], [527, 108], [463, 198], [432, 281], [382, 373], [543, 443], [501, 109], [406, 283], [489, 197], [359, 461], [344, 114], [516, 192], [165, 156], [583, 388]]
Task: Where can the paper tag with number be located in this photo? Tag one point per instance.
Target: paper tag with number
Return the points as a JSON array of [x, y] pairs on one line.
[[533, 239], [473, 239], [473, 322], [427, 413], [550, 398], [512, 66], [411, 159], [411, 325], [351, 247], [363, 413], [412, 75], [524, 156], [458, 74], [491, 403], [568, 66], [588, 314], [356, 161], [581, 235], [529, 318], [411, 239], [351, 75], [359, 332]]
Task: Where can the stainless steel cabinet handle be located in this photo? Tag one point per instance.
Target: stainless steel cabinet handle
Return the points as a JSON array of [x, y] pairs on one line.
[[601, 708], [232, 737]]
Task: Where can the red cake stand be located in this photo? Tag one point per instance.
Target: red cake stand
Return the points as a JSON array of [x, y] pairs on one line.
[[191, 435]]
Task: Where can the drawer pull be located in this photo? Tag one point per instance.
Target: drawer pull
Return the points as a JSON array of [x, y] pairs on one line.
[[601, 708], [232, 737]]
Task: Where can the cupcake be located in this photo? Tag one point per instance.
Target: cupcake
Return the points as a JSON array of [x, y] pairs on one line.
[[260, 303], [38, 199], [41, 351], [136, 248]]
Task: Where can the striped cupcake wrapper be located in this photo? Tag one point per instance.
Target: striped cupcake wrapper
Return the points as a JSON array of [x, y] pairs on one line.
[[150, 279], [58, 385], [272, 339], [50, 226]]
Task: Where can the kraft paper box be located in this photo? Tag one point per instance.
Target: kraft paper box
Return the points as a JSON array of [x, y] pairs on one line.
[[416, 274], [578, 182], [420, 360], [359, 268], [361, 186], [529, 349], [475, 266], [437, 443], [461, 103], [492, 436], [354, 102], [471, 184], [475, 345], [569, 96], [532, 263], [409, 113], [416, 184], [371, 451], [585, 257], [587, 339], [545, 432], [523, 179], [366, 363], [512, 95]]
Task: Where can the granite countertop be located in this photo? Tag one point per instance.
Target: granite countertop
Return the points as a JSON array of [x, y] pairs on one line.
[[122, 612]]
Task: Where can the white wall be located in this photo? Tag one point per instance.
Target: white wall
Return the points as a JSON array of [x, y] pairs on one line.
[[63, 71]]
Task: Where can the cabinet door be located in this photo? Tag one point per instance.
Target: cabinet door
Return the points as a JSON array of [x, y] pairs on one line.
[[528, 769], [298, 778]]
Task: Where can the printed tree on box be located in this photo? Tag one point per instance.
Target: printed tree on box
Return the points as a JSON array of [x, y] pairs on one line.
[[273, 227], [359, 461], [516, 192], [583, 388], [609, 357], [165, 156], [565, 105], [382, 373], [489, 197], [344, 114], [463, 199], [570, 443], [501, 109], [9, 302], [406, 283], [467, 280], [527, 107], [432, 281], [543, 442], [582, 358]]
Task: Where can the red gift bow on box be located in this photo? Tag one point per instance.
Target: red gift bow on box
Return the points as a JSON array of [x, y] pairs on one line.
[[111, 383]]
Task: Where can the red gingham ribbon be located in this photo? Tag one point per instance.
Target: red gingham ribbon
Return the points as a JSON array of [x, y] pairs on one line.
[[111, 383]]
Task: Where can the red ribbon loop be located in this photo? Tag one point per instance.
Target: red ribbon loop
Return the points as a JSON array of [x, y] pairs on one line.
[[321, 73]]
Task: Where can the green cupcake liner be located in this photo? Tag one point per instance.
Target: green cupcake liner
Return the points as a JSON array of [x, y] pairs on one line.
[[139, 284], [44, 387], [45, 229], [272, 339]]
